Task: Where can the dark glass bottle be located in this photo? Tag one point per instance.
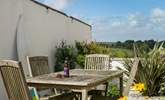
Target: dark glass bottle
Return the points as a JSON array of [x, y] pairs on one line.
[[66, 68]]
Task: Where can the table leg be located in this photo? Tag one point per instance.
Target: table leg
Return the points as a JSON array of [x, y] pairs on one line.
[[84, 94], [121, 85]]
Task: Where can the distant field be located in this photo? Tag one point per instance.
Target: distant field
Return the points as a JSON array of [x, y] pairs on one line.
[[121, 53]]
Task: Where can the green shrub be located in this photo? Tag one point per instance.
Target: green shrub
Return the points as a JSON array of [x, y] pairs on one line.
[[80, 59], [85, 48], [112, 90], [77, 54], [62, 51]]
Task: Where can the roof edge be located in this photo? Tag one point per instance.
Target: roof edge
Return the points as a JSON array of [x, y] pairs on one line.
[[80, 21], [48, 7]]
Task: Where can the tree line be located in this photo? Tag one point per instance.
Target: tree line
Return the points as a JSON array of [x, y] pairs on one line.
[[145, 45]]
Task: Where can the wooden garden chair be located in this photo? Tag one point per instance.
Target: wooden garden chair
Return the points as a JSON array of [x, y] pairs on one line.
[[15, 83], [128, 83], [14, 80], [99, 62], [38, 65]]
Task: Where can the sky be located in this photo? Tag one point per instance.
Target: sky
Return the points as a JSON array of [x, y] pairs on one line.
[[117, 20]]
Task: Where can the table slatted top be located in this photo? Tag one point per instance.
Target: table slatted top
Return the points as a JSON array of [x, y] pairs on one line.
[[78, 77]]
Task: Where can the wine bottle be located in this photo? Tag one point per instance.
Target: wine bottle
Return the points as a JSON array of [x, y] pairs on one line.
[[66, 68]]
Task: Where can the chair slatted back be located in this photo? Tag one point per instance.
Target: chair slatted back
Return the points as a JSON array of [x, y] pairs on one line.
[[14, 80], [39, 65], [97, 62]]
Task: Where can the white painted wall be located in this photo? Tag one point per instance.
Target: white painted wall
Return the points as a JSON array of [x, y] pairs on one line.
[[9, 13], [76, 28], [36, 30]]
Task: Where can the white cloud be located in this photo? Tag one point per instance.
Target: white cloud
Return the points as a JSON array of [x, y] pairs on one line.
[[158, 17], [58, 4], [134, 26], [116, 24], [157, 12]]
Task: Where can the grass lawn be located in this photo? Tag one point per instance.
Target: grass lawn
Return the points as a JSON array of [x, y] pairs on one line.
[[121, 53]]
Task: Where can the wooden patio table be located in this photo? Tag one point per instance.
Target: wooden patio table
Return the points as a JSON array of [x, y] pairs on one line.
[[80, 80]]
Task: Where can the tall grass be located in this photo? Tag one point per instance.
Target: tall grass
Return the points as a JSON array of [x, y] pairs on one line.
[[151, 70]]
